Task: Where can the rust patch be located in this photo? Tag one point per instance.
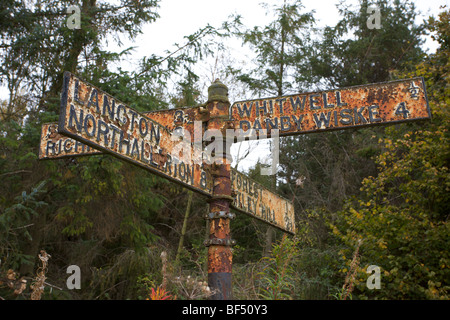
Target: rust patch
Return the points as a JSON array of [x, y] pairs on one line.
[[259, 202], [54, 145], [220, 259], [358, 106], [97, 119]]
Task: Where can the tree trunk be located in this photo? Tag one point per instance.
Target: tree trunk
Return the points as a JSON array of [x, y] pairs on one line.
[[183, 229]]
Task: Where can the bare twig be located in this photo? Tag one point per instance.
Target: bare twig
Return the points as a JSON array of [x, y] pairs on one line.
[[38, 284], [15, 172]]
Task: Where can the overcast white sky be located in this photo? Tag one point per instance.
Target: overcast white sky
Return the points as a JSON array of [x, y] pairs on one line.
[[179, 18]]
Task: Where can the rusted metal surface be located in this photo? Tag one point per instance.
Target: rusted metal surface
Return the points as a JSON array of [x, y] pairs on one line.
[[97, 119], [180, 118], [248, 196], [219, 242], [259, 202], [352, 107], [220, 256], [54, 145]]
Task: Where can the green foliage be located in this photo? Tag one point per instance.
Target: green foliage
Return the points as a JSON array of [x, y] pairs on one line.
[[352, 54], [402, 214], [14, 223], [277, 276], [282, 50]]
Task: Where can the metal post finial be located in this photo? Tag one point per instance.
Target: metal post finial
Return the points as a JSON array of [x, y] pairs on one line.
[[218, 91]]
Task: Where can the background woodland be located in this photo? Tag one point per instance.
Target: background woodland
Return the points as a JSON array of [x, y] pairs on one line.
[[373, 196]]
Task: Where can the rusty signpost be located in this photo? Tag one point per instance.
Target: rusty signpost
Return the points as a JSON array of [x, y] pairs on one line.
[[219, 242], [249, 196], [98, 120], [93, 122], [352, 107], [54, 145], [252, 198]]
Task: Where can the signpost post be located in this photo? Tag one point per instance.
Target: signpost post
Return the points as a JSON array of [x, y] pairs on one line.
[[219, 242], [93, 122]]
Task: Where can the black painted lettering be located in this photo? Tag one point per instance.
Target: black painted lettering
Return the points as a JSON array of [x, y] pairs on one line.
[[133, 116], [93, 100], [250, 188], [103, 131], [107, 107], [322, 121], [257, 125], [243, 124], [325, 101], [280, 102], [190, 174], [244, 185], [144, 152], [113, 138], [155, 164], [312, 101], [122, 141], [76, 93], [77, 144], [359, 116], [155, 134], [168, 165], [245, 108], [124, 119], [272, 123], [203, 182], [135, 149], [339, 100], [50, 146], [249, 204], [68, 145], [73, 115], [270, 106], [298, 122], [373, 112], [297, 103], [258, 108], [175, 168], [143, 124], [182, 170], [89, 124], [346, 116], [178, 116], [285, 123]]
